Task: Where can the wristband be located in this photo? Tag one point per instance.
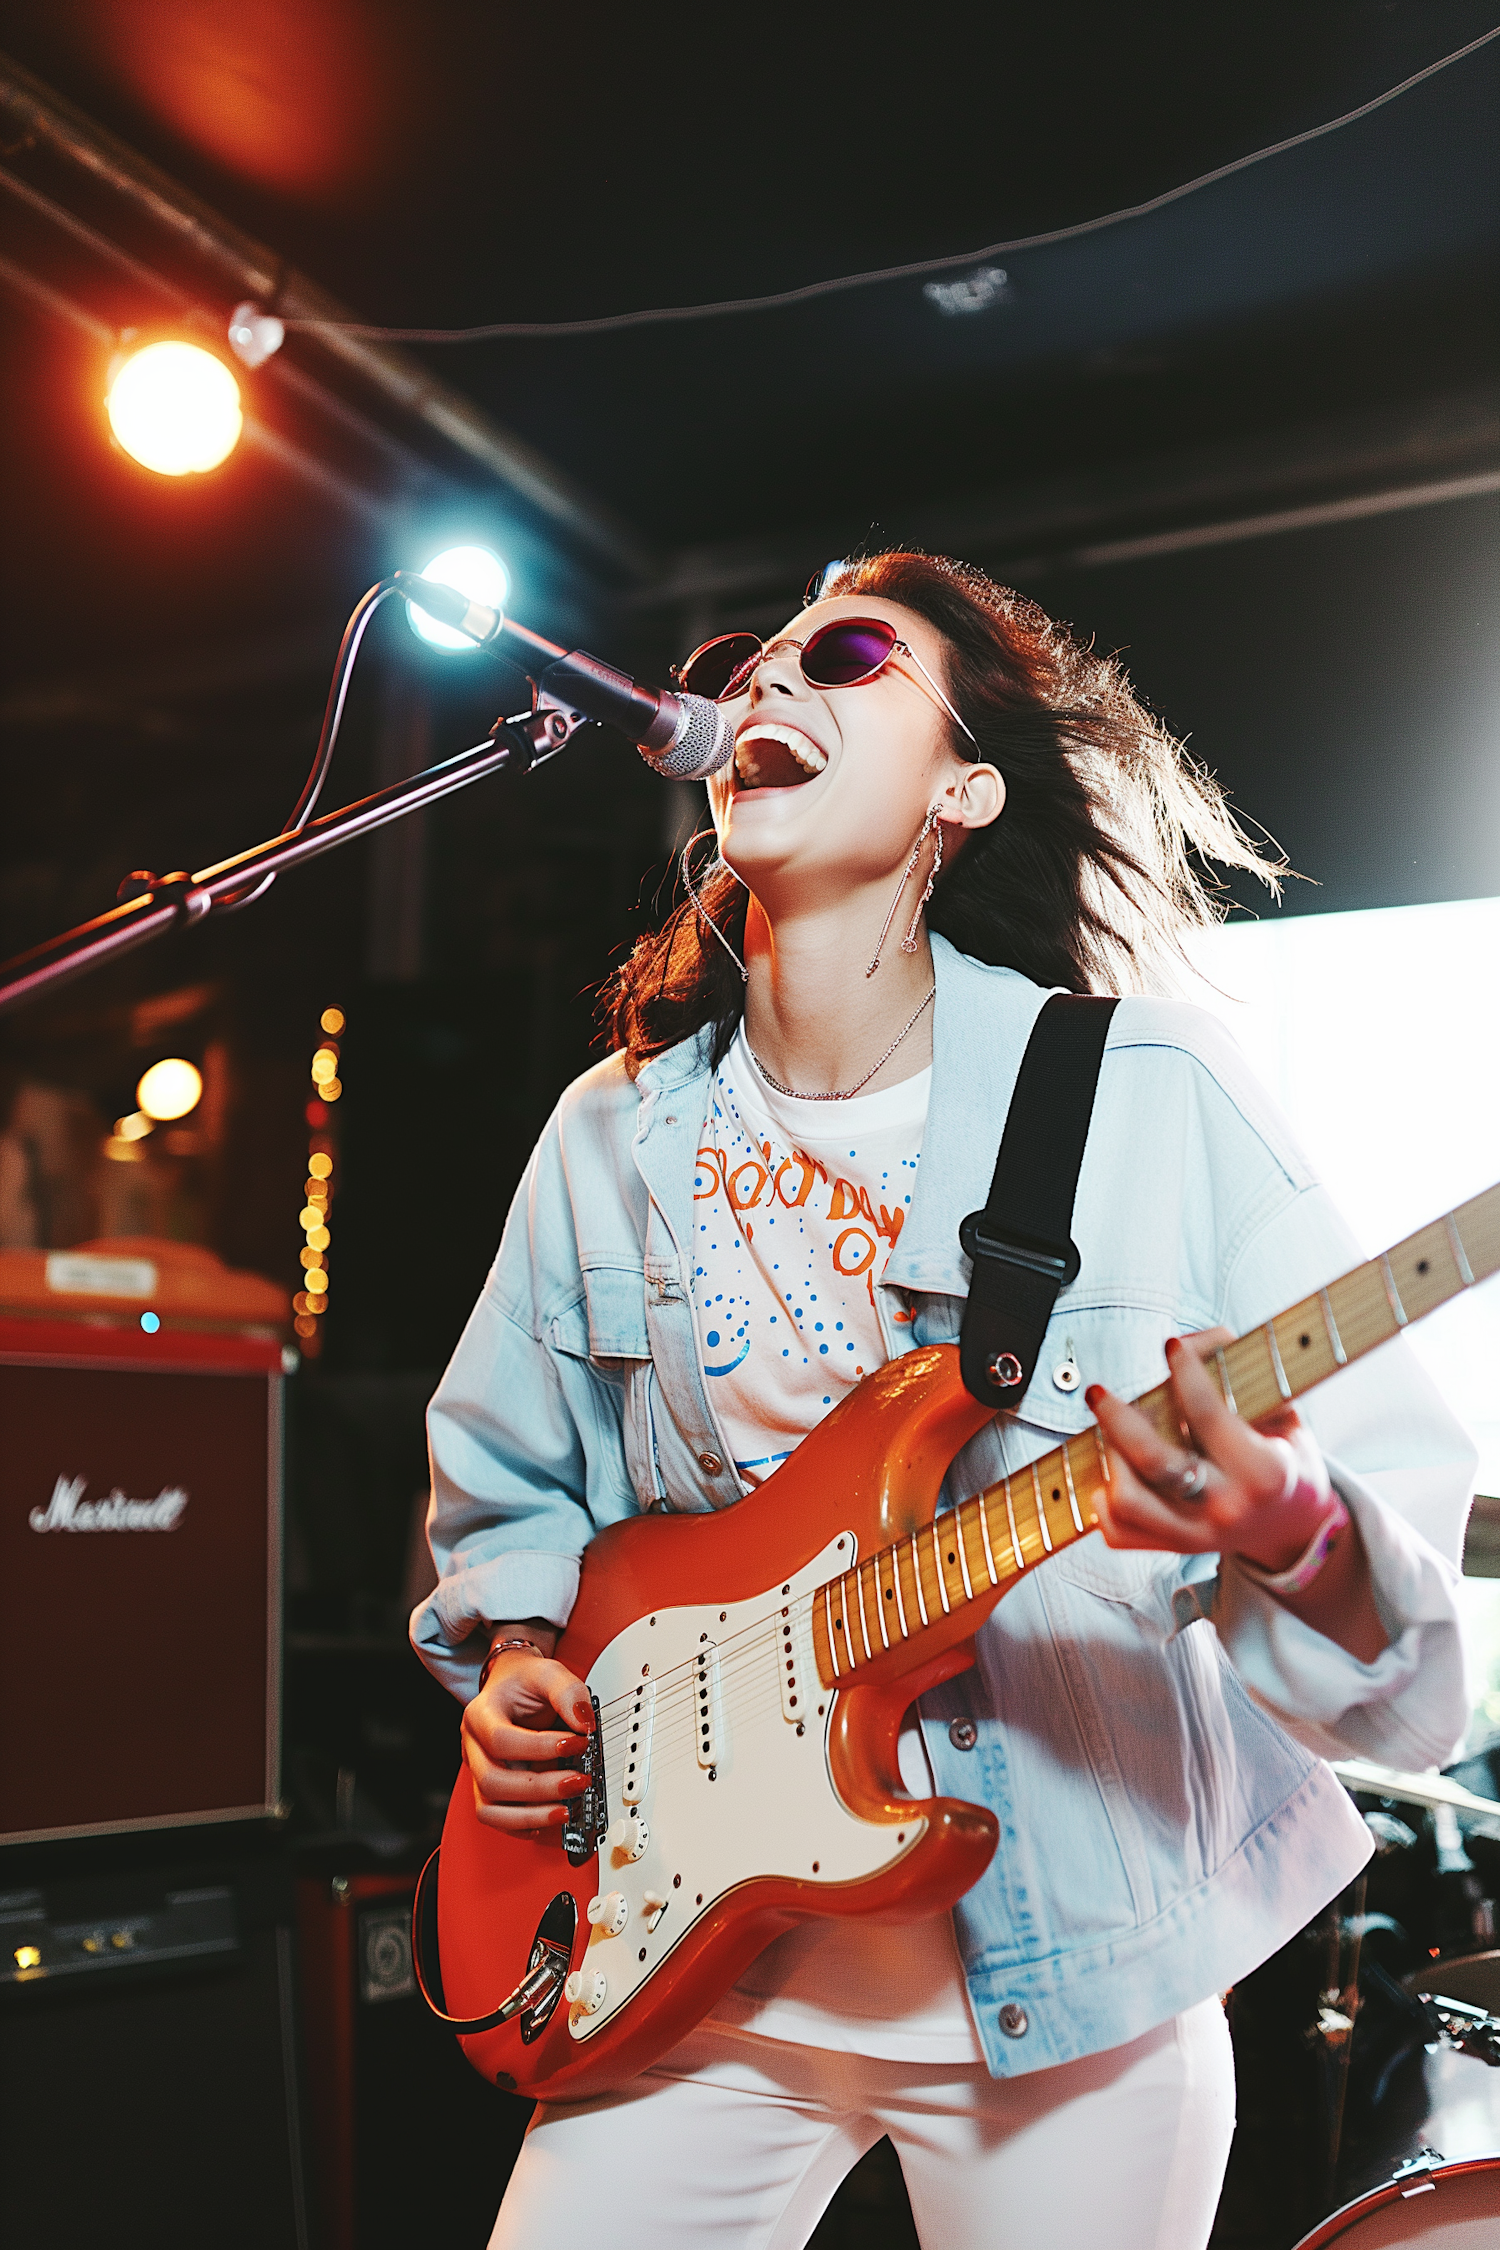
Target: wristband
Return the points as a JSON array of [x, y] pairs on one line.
[[499, 1649], [1300, 1575]]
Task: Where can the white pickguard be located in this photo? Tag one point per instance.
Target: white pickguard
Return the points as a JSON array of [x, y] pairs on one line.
[[750, 1796]]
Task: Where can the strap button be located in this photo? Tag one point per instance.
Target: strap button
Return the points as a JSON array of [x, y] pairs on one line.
[[963, 1734], [710, 1464], [1014, 2021]]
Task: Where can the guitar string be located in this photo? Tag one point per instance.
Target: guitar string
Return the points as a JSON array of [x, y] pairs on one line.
[[674, 1674], [742, 1646], [680, 1679], [684, 1692]]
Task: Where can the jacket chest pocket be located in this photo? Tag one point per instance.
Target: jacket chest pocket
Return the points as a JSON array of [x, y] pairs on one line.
[[607, 1327]]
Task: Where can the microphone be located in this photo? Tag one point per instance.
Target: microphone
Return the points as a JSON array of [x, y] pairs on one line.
[[683, 737]]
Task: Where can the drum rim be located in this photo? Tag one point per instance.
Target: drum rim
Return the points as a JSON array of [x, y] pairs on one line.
[[1391, 2191]]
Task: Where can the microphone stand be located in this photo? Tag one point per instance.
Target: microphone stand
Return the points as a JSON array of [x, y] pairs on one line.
[[514, 745]]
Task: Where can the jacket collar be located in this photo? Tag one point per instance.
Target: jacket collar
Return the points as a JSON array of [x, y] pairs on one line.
[[982, 1019]]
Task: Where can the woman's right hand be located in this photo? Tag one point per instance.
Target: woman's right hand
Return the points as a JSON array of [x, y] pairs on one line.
[[531, 1712]]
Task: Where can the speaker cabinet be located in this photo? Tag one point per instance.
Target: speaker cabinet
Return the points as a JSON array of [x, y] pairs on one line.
[[411, 2143], [140, 1551], [149, 2092]]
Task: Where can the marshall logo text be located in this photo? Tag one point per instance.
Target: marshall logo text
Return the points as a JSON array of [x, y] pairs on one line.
[[69, 1511]]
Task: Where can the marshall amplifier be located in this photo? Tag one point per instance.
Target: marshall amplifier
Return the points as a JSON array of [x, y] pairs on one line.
[[140, 1552]]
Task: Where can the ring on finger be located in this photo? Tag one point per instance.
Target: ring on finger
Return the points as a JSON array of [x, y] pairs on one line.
[[1187, 1483]]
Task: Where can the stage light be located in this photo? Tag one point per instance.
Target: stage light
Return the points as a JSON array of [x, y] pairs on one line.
[[473, 571], [169, 1089], [254, 336], [175, 408]]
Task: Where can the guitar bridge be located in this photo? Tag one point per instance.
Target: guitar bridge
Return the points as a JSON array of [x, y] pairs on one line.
[[588, 1812]]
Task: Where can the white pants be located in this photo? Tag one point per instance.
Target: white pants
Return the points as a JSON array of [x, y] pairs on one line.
[[740, 2140]]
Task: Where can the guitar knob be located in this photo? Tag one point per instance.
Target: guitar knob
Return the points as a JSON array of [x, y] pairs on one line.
[[585, 1989], [629, 1834], [609, 1913]]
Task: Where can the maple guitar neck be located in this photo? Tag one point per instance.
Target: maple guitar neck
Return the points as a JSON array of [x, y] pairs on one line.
[[970, 1555]]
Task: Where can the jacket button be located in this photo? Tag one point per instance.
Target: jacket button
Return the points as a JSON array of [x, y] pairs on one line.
[[963, 1734], [710, 1464], [1013, 2020]]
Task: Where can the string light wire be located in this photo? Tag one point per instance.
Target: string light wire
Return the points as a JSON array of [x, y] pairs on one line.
[[778, 300]]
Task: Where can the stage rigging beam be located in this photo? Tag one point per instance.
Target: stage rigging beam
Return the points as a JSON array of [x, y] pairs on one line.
[[32, 114]]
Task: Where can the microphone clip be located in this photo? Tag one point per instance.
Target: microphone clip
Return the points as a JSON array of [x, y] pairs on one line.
[[536, 735]]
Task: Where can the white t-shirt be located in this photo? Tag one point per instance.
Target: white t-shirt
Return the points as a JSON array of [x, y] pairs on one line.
[[798, 1205]]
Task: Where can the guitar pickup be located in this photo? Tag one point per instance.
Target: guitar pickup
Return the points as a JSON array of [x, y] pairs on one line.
[[794, 1663], [707, 1718], [637, 1753]]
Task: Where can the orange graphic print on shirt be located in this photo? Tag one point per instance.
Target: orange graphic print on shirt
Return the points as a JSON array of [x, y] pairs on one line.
[[797, 1207]]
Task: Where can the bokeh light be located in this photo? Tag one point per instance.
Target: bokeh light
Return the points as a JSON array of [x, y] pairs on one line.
[[175, 408], [475, 571], [169, 1089], [332, 1021]]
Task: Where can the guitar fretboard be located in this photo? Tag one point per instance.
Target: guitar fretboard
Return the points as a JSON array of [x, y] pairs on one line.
[[971, 1554]]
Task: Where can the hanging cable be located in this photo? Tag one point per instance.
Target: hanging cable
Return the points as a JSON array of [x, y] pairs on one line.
[[778, 300], [333, 718]]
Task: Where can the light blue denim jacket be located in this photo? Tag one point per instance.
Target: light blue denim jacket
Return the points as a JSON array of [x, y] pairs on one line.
[[1150, 1730]]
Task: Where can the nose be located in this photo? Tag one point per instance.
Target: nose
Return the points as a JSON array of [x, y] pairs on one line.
[[777, 673]]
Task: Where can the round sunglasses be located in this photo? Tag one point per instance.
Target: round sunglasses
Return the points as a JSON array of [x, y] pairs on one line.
[[845, 653]]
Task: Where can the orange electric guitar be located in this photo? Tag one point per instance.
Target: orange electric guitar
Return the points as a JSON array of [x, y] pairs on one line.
[[750, 1672]]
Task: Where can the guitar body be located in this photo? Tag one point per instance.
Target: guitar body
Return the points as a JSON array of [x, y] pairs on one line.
[[753, 1795]]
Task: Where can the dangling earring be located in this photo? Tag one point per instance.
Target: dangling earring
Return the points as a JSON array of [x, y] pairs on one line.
[[909, 942], [703, 915]]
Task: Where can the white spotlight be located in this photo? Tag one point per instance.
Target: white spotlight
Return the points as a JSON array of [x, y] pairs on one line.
[[474, 571]]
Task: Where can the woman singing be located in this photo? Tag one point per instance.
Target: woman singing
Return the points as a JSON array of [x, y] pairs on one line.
[[940, 808]]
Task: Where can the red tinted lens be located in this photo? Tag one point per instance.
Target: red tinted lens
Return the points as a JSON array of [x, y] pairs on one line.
[[715, 669], [841, 654]]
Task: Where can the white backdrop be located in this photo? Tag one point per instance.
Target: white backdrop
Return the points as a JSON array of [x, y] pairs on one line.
[[1379, 1035]]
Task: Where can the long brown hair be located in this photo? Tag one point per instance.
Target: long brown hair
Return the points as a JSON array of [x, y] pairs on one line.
[[1091, 878]]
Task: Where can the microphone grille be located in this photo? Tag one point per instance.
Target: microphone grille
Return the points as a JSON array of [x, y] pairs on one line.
[[703, 742]]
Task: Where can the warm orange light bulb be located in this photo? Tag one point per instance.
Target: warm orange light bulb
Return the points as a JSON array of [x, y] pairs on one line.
[[175, 409]]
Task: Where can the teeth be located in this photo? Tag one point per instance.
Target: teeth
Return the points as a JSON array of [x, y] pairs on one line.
[[808, 754]]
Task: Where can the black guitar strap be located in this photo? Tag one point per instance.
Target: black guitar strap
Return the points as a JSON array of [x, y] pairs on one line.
[[1021, 1243]]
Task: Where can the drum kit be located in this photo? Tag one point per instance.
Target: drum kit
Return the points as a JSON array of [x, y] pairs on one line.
[[1410, 2054]]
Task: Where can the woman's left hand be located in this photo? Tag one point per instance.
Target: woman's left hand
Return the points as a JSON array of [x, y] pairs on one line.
[[1260, 1492], [1229, 1488]]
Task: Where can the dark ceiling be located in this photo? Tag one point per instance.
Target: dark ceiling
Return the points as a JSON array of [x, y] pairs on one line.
[[450, 162]]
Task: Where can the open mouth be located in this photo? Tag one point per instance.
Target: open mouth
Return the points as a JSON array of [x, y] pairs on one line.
[[768, 756]]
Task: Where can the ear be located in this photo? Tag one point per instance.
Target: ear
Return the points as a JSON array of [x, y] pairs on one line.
[[972, 796]]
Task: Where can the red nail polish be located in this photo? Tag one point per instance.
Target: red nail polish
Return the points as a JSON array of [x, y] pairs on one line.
[[1094, 1392]]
